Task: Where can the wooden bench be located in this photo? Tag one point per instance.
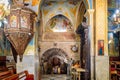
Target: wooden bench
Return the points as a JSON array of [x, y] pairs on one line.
[[5, 74], [12, 68], [12, 77], [22, 75]]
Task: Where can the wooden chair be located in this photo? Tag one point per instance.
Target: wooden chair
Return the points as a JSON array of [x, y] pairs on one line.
[[113, 71]]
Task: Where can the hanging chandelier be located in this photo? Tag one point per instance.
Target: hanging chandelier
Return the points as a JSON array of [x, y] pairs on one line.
[[116, 16]]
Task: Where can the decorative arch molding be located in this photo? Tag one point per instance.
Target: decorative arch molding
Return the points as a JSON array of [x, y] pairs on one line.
[[80, 12], [65, 21], [54, 52], [88, 3], [53, 14]]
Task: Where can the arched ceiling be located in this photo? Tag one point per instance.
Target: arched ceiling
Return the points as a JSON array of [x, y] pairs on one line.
[[54, 52], [68, 8], [59, 23], [51, 8]]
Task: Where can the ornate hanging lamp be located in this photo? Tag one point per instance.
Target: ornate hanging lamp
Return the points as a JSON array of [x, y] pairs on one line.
[[116, 16], [19, 30]]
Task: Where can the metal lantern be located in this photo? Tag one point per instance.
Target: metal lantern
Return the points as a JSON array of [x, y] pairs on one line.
[[19, 30]]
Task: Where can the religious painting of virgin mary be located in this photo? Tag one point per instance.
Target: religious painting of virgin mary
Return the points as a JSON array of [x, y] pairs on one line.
[[100, 47]]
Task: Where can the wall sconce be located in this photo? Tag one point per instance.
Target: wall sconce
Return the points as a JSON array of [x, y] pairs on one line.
[[74, 48]]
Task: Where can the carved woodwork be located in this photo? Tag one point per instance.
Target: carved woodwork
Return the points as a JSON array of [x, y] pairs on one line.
[[19, 30]]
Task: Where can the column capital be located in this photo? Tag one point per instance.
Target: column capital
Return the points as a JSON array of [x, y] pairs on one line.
[[89, 12]]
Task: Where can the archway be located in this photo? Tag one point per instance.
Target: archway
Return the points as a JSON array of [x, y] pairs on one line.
[[78, 14], [54, 61]]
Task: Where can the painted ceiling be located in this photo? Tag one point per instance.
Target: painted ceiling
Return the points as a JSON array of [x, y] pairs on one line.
[[67, 8], [58, 23]]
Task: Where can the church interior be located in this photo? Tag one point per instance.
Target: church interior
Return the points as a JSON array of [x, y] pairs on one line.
[[59, 39]]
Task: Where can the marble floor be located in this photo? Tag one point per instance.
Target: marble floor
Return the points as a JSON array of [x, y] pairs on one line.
[[56, 77]]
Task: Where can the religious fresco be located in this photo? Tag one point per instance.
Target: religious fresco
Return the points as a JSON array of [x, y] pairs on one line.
[[24, 22], [58, 24], [1, 11], [13, 21], [4, 8], [100, 47], [49, 7], [4, 44]]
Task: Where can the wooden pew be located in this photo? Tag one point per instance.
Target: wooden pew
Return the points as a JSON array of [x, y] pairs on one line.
[[5, 74], [12, 68], [12, 77], [22, 75]]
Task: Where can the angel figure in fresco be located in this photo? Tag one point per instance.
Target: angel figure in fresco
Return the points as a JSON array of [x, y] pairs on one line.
[[53, 23], [67, 24]]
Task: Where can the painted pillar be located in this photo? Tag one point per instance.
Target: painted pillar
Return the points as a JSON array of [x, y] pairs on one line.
[[89, 14], [101, 44]]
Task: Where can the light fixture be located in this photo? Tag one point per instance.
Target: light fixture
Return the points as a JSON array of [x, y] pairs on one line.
[[116, 16]]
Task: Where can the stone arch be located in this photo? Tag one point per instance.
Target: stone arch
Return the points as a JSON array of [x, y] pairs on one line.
[[54, 52], [87, 3]]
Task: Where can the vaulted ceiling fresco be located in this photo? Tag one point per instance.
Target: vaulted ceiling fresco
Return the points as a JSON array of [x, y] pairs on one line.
[[58, 23], [68, 8]]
